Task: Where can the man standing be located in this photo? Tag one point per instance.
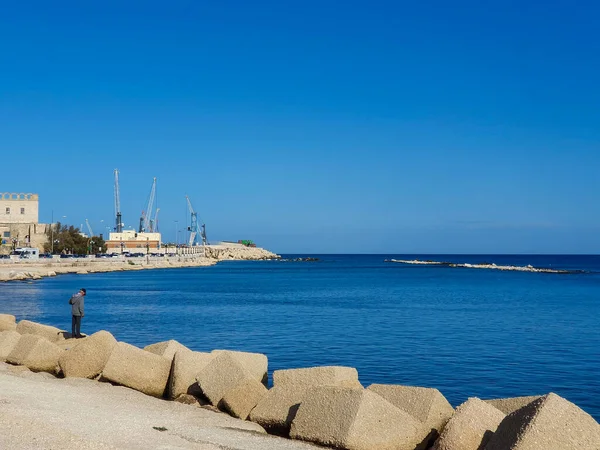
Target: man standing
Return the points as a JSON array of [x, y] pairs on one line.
[[77, 310]]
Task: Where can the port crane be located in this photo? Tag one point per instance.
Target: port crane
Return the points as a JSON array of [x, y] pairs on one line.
[[197, 231], [154, 222], [89, 227], [145, 219], [119, 222]]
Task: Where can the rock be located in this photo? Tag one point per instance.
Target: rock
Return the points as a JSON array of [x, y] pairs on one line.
[[52, 334], [8, 322], [240, 400], [549, 423], [317, 376], [18, 369], [88, 357], [471, 427], [428, 406], [36, 353], [353, 418], [82, 272], [510, 405], [8, 341], [186, 366], [166, 349], [51, 273], [277, 408], [138, 369], [256, 363], [223, 373]]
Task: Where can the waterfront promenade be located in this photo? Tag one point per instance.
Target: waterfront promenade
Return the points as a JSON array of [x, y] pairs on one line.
[[12, 270]]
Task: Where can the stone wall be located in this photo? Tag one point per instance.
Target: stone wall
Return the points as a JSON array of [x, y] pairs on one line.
[[19, 208], [35, 231]]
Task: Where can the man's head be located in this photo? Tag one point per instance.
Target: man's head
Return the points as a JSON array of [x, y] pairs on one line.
[[82, 290]]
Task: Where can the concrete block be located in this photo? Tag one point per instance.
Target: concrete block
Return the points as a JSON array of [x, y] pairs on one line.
[[510, 405], [52, 334], [8, 322], [276, 410], [256, 363], [242, 399], [352, 418], [70, 342], [471, 427], [8, 341], [549, 423], [138, 369], [166, 349], [36, 353], [223, 373], [87, 358], [428, 406], [317, 376], [186, 367]]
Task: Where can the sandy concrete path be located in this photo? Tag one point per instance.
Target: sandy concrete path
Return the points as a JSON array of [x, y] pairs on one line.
[[38, 411]]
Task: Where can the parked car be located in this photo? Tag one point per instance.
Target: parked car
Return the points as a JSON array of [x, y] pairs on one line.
[[4, 256], [45, 255]]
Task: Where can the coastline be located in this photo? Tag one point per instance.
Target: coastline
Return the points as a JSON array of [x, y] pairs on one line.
[[35, 270]]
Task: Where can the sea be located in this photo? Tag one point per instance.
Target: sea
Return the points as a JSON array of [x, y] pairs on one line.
[[467, 332]]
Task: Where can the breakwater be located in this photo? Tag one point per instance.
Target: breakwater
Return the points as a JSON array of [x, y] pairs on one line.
[[324, 405], [488, 266]]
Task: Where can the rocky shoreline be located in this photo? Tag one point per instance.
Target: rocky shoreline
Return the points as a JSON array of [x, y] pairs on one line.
[[28, 270], [327, 406]]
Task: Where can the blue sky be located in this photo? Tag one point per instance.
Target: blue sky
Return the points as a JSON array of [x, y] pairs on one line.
[[401, 127]]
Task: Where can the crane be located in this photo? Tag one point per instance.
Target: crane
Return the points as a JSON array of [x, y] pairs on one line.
[[118, 224], [90, 244], [87, 223], [194, 229], [145, 219], [154, 222]]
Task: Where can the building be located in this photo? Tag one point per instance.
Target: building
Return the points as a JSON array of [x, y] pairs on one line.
[[19, 226], [19, 208], [133, 242]]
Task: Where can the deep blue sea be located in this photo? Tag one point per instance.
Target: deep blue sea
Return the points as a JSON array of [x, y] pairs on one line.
[[467, 332]]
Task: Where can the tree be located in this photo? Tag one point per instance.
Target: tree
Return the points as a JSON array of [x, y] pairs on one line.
[[69, 239]]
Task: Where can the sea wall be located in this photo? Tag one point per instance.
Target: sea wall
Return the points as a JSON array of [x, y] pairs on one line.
[[13, 270], [324, 405], [238, 252]]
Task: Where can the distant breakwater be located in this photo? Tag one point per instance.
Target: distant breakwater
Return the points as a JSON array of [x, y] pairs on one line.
[[485, 265]]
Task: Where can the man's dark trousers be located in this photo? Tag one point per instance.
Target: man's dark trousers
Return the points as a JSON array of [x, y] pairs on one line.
[[76, 326]]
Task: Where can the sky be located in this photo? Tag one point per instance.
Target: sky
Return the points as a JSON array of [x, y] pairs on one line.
[[311, 126]]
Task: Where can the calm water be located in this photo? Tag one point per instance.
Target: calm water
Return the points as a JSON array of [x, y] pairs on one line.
[[467, 332]]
